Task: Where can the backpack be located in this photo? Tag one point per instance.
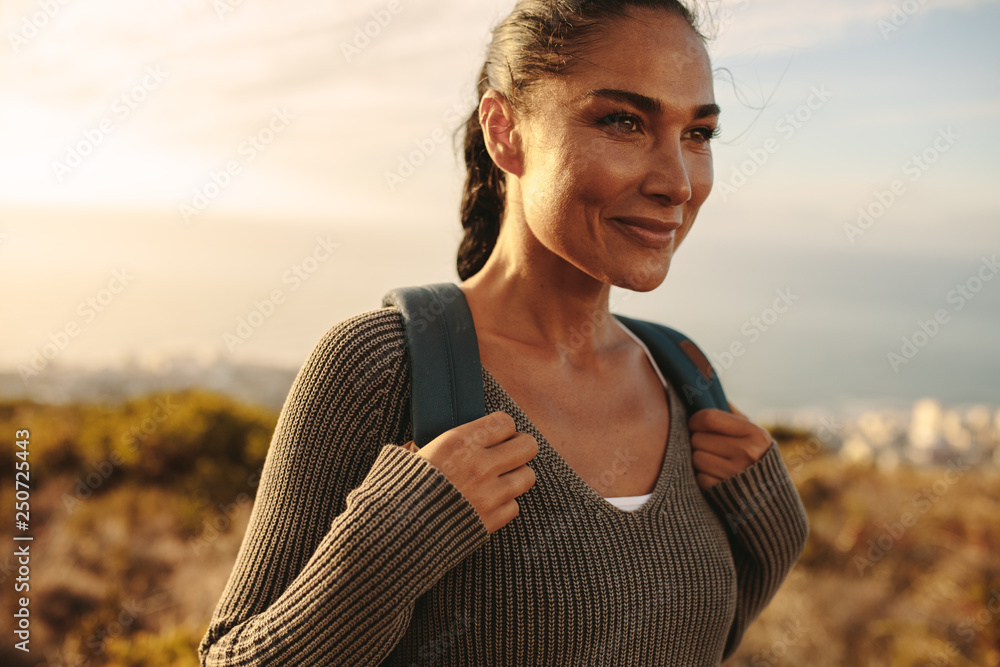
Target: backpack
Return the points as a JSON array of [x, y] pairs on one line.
[[446, 374]]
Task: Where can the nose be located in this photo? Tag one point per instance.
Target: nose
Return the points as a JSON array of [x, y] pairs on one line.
[[667, 175]]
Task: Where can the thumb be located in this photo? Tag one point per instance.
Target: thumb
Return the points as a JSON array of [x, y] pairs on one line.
[[412, 446]]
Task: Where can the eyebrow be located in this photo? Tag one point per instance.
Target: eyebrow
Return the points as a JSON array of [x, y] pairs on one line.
[[649, 104]]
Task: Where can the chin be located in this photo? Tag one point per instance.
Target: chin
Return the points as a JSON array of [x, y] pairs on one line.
[[643, 278], [643, 287]]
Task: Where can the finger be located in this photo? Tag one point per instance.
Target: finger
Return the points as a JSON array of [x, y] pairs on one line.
[[528, 444], [727, 447], [720, 421], [484, 432], [519, 480], [496, 427], [743, 450], [713, 465], [412, 446], [512, 454]]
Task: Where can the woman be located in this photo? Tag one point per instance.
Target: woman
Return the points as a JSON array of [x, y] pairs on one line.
[[585, 520]]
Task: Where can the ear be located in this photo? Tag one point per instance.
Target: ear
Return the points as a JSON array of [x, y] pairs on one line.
[[503, 140]]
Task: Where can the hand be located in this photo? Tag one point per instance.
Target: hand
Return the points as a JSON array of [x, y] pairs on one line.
[[724, 444], [486, 460]]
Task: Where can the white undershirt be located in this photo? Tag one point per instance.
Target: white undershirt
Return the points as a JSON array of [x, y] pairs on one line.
[[632, 503]]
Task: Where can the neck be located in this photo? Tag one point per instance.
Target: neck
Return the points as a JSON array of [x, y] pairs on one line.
[[529, 296]]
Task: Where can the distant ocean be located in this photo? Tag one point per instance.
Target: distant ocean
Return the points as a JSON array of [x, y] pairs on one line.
[[814, 328], [832, 346]]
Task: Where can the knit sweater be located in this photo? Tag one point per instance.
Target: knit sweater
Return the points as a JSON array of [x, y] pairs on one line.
[[360, 552]]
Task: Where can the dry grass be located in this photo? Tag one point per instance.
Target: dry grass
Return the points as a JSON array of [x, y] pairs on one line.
[[901, 568]]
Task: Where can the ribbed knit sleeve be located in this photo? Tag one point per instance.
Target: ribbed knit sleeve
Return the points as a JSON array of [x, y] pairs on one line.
[[767, 528], [347, 529]]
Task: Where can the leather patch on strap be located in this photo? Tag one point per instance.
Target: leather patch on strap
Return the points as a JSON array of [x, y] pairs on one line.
[[699, 359]]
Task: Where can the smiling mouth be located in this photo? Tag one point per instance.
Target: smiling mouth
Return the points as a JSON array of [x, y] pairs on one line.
[[648, 232]]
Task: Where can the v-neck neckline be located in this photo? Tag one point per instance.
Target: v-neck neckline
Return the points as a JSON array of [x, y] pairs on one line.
[[668, 469]]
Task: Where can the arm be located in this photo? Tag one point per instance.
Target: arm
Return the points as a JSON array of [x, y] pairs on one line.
[[347, 531], [767, 529], [740, 470]]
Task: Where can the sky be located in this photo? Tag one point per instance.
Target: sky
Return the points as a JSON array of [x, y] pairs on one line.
[[166, 168]]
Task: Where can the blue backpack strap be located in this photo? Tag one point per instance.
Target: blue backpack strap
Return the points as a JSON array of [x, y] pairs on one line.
[[685, 366], [446, 377]]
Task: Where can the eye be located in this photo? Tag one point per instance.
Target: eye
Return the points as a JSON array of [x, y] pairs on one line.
[[622, 121], [704, 135]]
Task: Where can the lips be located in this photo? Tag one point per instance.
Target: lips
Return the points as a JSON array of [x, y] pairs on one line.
[[650, 232]]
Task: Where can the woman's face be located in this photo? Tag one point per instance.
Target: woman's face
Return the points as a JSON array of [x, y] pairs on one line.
[[616, 159]]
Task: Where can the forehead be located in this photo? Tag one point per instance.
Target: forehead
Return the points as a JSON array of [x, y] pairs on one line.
[[653, 52]]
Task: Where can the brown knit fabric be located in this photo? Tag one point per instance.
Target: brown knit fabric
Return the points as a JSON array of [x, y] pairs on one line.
[[359, 552]]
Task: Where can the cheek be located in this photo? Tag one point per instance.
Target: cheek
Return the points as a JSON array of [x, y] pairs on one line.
[[612, 167], [565, 184], [701, 174], [546, 187]]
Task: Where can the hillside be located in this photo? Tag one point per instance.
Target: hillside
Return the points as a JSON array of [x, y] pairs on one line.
[[138, 510]]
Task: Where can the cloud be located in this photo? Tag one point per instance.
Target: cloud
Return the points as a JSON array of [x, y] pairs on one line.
[[355, 116]]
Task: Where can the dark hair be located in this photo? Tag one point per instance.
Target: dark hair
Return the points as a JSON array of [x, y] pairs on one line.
[[538, 37]]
